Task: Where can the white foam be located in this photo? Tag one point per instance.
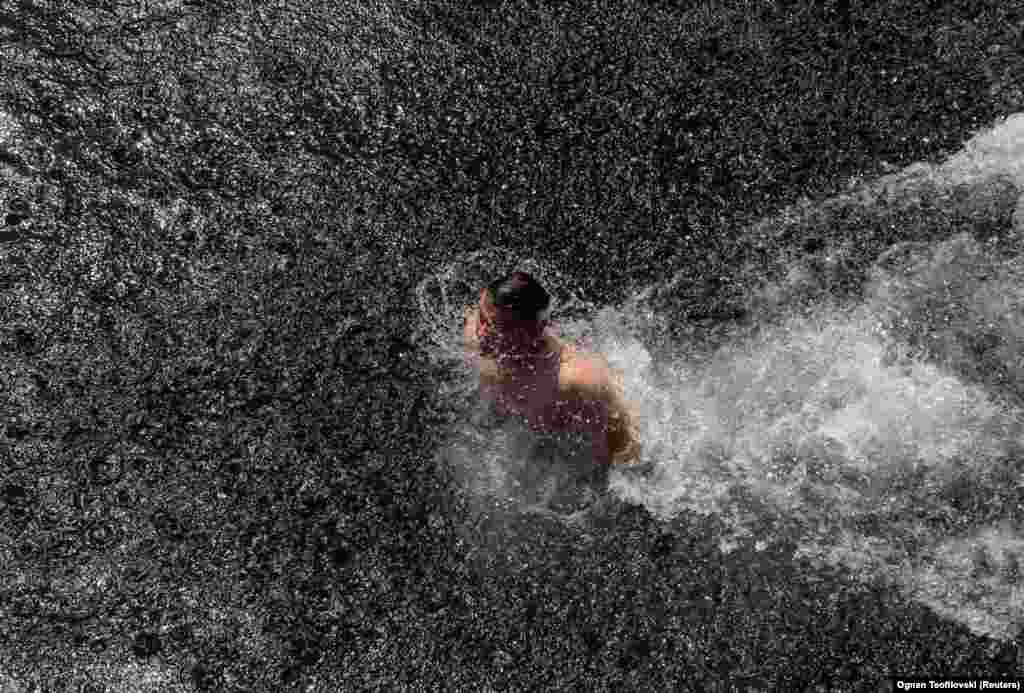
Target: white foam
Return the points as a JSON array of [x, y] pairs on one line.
[[832, 420]]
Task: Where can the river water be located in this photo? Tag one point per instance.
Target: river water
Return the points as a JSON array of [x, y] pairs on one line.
[[878, 429]]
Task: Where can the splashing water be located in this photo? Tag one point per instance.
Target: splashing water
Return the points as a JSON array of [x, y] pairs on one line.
[[443, 295], [883, 432], [497, 460]]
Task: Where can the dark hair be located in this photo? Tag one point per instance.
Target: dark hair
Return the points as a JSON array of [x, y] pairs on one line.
[[520, 293]]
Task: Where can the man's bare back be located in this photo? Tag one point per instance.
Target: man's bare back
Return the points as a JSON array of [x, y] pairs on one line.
[[558, 388]]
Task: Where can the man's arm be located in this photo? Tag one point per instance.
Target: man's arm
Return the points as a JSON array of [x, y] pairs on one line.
[[595, 379], [469, 339], [486, 367]]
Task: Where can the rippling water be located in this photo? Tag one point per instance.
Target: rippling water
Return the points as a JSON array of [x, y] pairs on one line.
[[881, 433]]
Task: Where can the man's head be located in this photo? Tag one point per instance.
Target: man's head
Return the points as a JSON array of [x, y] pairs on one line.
[[517, 296], [514, 309]]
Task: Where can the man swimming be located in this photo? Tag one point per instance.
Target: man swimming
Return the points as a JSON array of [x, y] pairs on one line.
[[528, 373]]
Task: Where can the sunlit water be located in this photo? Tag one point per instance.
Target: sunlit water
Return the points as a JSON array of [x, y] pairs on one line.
[[827, 425]]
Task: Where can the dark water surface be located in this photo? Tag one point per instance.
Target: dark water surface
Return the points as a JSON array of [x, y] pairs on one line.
[[835, 470], [797, 230]]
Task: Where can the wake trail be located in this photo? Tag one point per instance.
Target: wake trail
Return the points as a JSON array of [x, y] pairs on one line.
[[869, 407]]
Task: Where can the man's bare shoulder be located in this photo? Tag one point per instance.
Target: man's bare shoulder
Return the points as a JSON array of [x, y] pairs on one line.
[[585, 374]]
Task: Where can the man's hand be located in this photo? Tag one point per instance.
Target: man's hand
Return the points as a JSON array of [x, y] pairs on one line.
[[469, 339]]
